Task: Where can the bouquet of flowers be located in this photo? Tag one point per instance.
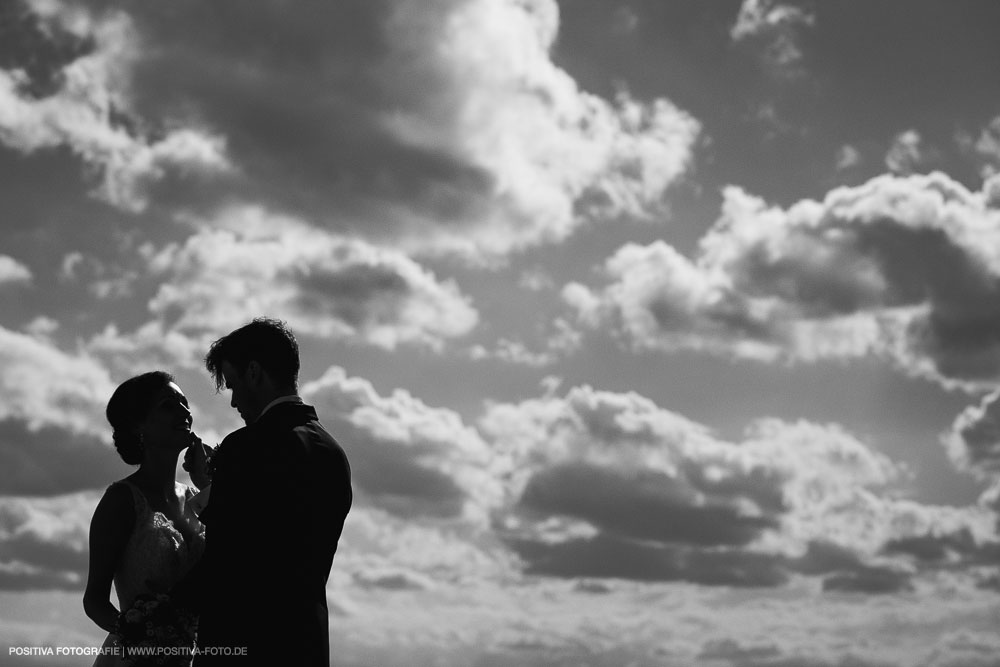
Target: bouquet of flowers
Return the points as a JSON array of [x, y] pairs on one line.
[[153, 631]]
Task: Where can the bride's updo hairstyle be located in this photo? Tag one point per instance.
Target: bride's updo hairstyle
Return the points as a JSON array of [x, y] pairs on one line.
[[129, 406]]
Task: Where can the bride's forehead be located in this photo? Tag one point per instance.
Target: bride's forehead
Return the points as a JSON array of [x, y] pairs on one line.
[[170, 390]]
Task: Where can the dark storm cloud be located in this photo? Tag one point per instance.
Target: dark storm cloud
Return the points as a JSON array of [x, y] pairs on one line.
[[54, 557], [395, 479], [872, 580], [26, 43], [974, 439], [843, 570], [440, 125], [610, 557], [43, 542], [737, 654], [733, 653], [18, 579], [406, 457], [392, 580], [948, 550], [933, 548], [51, 460], [606, 485], [904, 268], [642, 505], [298, 96], [353, 292]]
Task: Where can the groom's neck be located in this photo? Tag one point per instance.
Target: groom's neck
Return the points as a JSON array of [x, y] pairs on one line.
[[267, 394], [271, 393]]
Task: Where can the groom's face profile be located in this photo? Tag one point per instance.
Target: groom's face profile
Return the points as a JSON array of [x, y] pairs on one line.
[[244, 397]]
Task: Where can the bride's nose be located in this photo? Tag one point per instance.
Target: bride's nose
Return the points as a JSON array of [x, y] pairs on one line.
[[182, 409]]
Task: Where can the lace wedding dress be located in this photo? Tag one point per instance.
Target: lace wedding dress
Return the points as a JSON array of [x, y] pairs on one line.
[[157, 555]]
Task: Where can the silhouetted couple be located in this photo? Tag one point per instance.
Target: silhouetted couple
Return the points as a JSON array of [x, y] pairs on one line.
[[241, 565]]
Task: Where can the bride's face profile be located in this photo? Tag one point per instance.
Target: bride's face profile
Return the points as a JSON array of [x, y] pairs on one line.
[[168, 422]]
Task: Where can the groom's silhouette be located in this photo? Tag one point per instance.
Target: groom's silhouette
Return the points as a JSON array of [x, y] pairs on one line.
[[280, 492]]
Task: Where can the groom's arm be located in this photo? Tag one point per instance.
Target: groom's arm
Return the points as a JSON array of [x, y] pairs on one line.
[[191, 591]]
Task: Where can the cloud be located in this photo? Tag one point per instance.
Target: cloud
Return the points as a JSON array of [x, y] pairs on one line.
[[323, 285], [734, 654], [984, 149], [561, 340], [151, 345], [103, 280], [610, 557], [54, 437], [973, 442], [84, 111], [13, 272], [512, 352], [946, 547], [909, 154], [407, 457], [595, 473], [18, 633], [646, 505], [900, 268], [442, 126], [771, 30], [41, 385], [625, 21], [870, 580], [659, 299], [49, 460], [43, 541], [393, 580], [963, 647]]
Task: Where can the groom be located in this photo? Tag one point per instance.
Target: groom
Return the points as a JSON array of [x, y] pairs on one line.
[[281, 489]]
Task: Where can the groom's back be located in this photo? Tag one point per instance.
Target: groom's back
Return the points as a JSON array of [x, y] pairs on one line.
[[274, 522]]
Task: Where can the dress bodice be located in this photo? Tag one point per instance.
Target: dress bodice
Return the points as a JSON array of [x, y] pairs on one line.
[[157, 554]]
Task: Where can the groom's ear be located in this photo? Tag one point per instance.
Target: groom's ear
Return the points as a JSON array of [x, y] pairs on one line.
[[254, 373]]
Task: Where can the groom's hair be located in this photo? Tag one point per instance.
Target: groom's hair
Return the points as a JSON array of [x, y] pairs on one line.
[[265, 340]]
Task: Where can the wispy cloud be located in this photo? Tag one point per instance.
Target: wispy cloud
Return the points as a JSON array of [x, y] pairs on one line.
[[13, 272]]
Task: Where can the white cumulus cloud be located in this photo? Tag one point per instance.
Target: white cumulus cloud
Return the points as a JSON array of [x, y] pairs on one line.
[[81, 113], [903, 268], [13, 271], [323, 285]]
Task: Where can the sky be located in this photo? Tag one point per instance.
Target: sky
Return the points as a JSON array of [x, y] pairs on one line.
[[657, 333]]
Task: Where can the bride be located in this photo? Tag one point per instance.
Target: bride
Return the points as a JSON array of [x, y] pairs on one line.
[[144, 534]]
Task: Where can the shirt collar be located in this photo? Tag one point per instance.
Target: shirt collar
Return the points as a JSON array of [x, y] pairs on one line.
[[293, 398]]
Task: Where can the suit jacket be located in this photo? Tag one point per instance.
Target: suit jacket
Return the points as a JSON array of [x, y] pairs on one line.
[[281, 490]]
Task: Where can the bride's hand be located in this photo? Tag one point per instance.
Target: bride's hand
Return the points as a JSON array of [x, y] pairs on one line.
[[196, 463]]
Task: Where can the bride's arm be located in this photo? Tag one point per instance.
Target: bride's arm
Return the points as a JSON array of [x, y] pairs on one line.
[[109, 531]]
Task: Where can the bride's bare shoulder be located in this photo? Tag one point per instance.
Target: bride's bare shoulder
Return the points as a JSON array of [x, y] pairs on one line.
[[115, 506]]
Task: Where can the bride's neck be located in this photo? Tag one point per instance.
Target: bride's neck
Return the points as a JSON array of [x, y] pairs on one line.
[[159, 471]]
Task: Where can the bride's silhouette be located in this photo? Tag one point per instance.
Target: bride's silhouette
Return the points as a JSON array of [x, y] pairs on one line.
[[144, 535]]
